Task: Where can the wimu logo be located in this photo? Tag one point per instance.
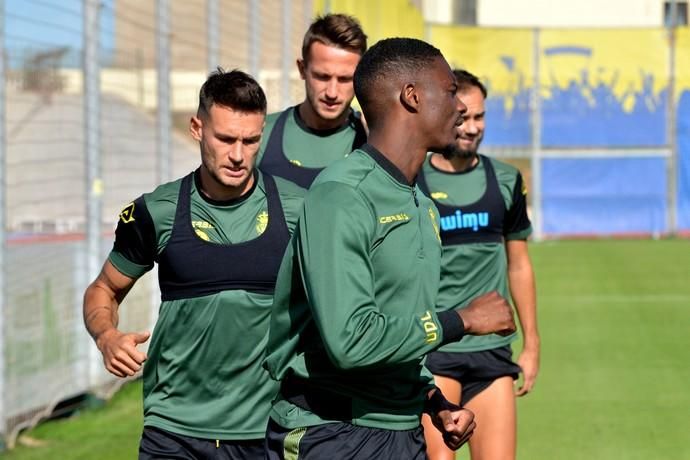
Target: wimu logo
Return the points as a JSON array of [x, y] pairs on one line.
[[473, 220]]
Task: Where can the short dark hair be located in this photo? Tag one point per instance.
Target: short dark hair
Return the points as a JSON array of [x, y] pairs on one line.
[[235, 89], [338, 30], [468, 80], [390, 58]]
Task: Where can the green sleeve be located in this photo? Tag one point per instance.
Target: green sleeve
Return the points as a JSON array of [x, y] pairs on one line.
[[334, 242]]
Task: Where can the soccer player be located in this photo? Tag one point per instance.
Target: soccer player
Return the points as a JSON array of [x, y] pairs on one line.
[[302, 140], [484, 228], [218, 236], [354, 305]]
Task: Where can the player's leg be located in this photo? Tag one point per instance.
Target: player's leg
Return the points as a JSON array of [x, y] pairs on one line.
[[435, 447], [494, 437]]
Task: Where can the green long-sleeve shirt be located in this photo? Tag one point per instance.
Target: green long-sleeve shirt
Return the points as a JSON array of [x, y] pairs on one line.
[[354, 302]]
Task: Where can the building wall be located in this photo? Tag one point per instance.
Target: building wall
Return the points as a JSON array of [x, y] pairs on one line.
[[553, 13], [569, 13]]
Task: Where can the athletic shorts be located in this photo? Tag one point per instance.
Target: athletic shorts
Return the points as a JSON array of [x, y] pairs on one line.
[[157, 444], [474, 370], [343, 441]]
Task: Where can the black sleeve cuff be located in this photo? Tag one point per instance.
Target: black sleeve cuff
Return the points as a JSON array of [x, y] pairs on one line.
[[437, 402], [452, 325]]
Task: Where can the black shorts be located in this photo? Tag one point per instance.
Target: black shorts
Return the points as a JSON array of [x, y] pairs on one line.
[[474, 370], [157, 444], [343, 441]]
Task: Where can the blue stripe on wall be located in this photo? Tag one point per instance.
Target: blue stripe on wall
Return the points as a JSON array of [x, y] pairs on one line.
[[604, 195]]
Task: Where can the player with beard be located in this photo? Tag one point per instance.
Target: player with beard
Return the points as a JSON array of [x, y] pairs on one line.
[[301, 141], [484, 229]]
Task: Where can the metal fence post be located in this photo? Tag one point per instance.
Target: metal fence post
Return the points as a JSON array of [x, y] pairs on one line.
[[3, 214], [254, 38], [212, 56], [535, 108], [164, 121], [92, 150], [671, 128], [286, 58]]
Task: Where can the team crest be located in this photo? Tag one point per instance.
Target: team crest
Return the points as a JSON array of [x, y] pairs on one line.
[[261, 222], [432, 215], [127, 214], [202, 234]]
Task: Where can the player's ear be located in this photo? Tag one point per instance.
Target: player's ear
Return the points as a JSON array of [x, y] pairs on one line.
[[195, 126], [409, 97], [302, 66]]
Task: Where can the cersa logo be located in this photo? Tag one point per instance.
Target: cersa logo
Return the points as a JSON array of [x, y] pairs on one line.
[[430, 327], [402, 217], [127, 214], [439, 195]]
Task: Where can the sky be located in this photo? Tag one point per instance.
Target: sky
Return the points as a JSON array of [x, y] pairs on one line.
[[40, 25]]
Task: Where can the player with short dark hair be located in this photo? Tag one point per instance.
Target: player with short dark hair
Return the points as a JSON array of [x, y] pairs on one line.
[[302, 140], [484, 228], [218, 236], [353, 314]]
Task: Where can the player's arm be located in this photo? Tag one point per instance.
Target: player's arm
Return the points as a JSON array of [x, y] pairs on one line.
[[101, 302], [333, 250], [523, 292], [131, 257], [521, 282], [455, 423]]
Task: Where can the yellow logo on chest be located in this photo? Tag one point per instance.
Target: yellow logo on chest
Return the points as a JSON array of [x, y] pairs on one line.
[[439, 195], [432, 214], [402, 217], [261, 222]]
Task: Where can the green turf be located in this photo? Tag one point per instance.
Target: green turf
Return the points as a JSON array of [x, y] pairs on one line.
[[615, 327], [109, 433], [614, 321]]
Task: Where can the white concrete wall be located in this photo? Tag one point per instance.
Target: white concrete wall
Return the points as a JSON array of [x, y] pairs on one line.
[[556, 13]]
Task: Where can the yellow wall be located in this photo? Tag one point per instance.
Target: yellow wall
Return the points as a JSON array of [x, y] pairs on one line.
[[381, 18]]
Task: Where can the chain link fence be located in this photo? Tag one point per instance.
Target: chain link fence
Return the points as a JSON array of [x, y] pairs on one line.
[[87, 127], [96, 96]]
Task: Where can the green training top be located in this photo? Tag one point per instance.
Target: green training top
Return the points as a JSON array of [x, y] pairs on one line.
[[203, 376], [470, 270], [307, 147], [354, 300]]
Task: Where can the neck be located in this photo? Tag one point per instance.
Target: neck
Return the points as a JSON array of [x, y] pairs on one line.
[[217, 191], [455, 163], [314, 121], [402, 152]]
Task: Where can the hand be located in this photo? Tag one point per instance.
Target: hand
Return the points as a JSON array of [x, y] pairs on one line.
[[455, 423], [489, 313], [529, 362], [120, 355], [456, 426]]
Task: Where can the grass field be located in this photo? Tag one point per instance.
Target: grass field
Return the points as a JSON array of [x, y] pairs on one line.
[[615, 327]]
